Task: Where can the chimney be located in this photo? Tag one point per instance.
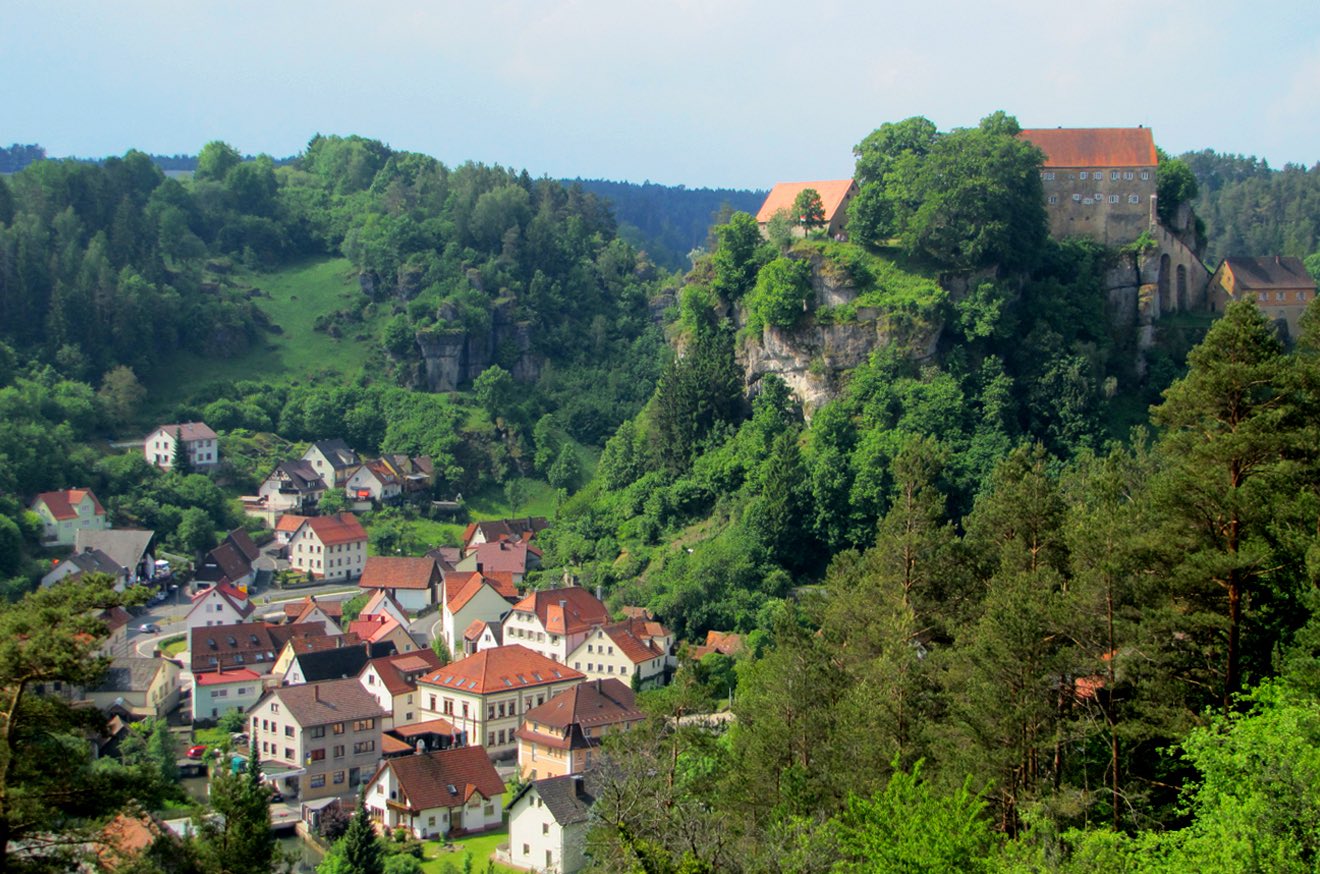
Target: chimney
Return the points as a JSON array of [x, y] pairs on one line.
[[316, 691], [599, 596]]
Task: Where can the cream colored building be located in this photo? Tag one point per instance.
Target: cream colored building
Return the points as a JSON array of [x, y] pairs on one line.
[[217, 693], [200, 443], [485, 695], [64, 512], [329, 547], [554, 622], [563, 735], [392, 681], [548, 823], [635, 651], [471, 597], [431, 794]]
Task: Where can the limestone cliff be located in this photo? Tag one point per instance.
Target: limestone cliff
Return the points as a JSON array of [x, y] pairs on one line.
[[833, 337]]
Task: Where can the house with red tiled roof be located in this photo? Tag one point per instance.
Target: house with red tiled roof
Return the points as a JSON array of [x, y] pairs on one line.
[[64, 512], [723, 642], [482, 635], [491, 530], [382, 603], [413, 582], [122, 842], [329, 547], [319, 739], [835, 195], [473, 597], [309, 609], [636, 650], [1098, 182], [215, 693], [437, 793], [562, 735], [1279, 285], [393, 681], [221, 604], [200, 443], [485, 694], [420, 737], [379, 629], [254, 645], [287, 526], [514, 557], [554, 621]]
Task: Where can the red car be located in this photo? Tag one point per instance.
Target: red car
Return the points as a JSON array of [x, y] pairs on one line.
[[196, 752]]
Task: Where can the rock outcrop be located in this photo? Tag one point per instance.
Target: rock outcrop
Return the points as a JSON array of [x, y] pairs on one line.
[[455, 357]]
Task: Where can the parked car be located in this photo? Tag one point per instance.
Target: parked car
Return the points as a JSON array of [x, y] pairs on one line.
[[149, 628], [196, 752], [239, 739]]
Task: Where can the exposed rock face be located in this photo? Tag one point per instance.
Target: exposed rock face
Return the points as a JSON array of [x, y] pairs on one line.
[[456, 357], [812, 357]]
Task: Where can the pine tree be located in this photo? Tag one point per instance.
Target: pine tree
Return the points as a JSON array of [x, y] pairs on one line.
[[182, 462], [240, 840], [359, 851]]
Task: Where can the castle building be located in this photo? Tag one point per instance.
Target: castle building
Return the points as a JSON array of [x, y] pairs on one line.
[[1099, 182], [1280, 286]]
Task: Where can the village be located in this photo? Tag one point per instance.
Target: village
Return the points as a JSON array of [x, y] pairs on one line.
[[454, 700]]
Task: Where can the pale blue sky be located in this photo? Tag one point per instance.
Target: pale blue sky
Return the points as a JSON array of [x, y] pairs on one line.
[[696, 92]]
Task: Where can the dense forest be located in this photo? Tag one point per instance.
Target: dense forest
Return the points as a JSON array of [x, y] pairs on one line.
[[1016, 597]]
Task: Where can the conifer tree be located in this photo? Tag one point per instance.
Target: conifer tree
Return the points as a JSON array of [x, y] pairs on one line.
[[240, 841]]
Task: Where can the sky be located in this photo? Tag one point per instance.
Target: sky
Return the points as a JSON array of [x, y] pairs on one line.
[[701, 93]]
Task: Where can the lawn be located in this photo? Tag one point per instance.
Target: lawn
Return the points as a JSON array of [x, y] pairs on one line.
[[172, 646], [481, 847], [293, 299]]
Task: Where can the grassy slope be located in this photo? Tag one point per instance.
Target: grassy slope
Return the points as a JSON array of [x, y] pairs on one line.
[[298, 293]]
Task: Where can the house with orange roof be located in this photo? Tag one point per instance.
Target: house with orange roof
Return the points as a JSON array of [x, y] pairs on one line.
[[64, 512], [562, 735], [325, 613], [482, 635], [636, 650], [554, 622], [491, 530], [287, 526], [198, 440], [436, 793], [215, 693], [220, 604], [835, 195], [723, 642], [392, 680], [486, 694], [383, 603], [472, 597], [329, 547], [1099, 183], [123, 841], [380, 629], [412, 582]]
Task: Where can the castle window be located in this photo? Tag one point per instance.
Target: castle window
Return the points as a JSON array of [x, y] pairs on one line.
[[1077, 198], [1128, 175], [1145, 175], [1113, 198], [1113, 175], [1054, 198], [1048, 176], [1099, 198], [1132, 198]]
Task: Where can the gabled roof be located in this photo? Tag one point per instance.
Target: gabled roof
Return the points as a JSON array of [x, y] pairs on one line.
[[566, 797], [460, 588], [374, 628], [724, 642], [426, 726], [595, 702], [833, 193], [633, 637], [296, 611], [382, 603], [446, 557], [115, 617], [337, 529], [565, 611], [298, 646], [400, 671], [189, 431], [298, 474], [225, 643], [219, 678], [333, 663], [444, 778], [477, 627], [232, 596], [127, 836], [504, 556], [243, 543], [1094, 146], [398, 572], [1278, 271], [500, 669], [330, 701], [62, 505], [125, 546], [524, 528], [289, 523], [336, 452], [225, 564], [94, 561], [130, 674]]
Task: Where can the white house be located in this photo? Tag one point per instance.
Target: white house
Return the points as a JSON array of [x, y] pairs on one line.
[[392, 681], [554, 622], [374, 481], [200, 443], [472, 597], [382, 602], [293, 486], [142, 686], [64, 512], [215, 693], [329, 547], [221, 604], [548, 825], [486, 694], [332, 460], [634, 648], [431, 794], [413, 582]]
